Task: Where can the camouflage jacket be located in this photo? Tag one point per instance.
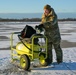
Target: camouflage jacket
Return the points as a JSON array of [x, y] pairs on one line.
[[50, 25]]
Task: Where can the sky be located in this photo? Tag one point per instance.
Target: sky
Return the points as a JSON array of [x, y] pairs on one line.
[[36, 6]]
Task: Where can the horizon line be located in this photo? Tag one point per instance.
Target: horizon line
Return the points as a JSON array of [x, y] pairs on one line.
[[31, 12]]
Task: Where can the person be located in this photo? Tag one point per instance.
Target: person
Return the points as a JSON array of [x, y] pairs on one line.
[[49, 23]]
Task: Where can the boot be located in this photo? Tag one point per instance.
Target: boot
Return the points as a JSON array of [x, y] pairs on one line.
[[49, 61], [59, 61]]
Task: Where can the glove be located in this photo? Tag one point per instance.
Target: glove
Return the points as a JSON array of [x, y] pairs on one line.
[[40, 27], [36, 26]]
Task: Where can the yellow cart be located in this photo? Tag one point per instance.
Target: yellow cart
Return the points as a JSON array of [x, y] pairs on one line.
[[27, 51]]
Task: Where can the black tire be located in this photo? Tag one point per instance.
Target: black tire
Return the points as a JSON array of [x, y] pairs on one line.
[[42, 59], [24, 62]]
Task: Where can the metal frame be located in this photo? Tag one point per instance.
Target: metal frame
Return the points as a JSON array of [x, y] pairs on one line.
[[28, 54]]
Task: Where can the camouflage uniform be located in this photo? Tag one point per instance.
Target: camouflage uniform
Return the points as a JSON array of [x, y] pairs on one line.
[[50, 25]]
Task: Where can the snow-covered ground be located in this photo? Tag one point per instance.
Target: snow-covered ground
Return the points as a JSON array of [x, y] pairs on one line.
[[68, 44]]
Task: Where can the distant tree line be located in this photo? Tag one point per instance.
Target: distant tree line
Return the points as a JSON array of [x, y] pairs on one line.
[[33, 20], [67, 19], [21, 20]]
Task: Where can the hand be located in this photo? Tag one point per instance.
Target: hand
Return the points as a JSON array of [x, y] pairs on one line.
[[39, 27], [36, 26], [40, 24]]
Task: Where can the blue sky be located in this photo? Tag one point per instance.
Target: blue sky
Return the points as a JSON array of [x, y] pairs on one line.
[[36, 6]]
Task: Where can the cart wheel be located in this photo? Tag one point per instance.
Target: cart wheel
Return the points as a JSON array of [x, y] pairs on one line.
[[24, 62], [42, 59]]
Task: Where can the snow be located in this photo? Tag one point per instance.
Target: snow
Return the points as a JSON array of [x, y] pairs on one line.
[[71, 37], [68, 67]]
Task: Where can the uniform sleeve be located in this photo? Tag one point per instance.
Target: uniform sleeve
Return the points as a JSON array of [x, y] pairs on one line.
[[54, 21]]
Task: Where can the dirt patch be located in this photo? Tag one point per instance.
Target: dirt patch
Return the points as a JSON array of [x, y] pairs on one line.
[[8, 48], [74, 30], [66, 44], [65, 34], [69, 31], [4, 37]]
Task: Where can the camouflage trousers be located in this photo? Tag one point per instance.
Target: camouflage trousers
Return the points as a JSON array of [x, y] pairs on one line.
[[58, 51]]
